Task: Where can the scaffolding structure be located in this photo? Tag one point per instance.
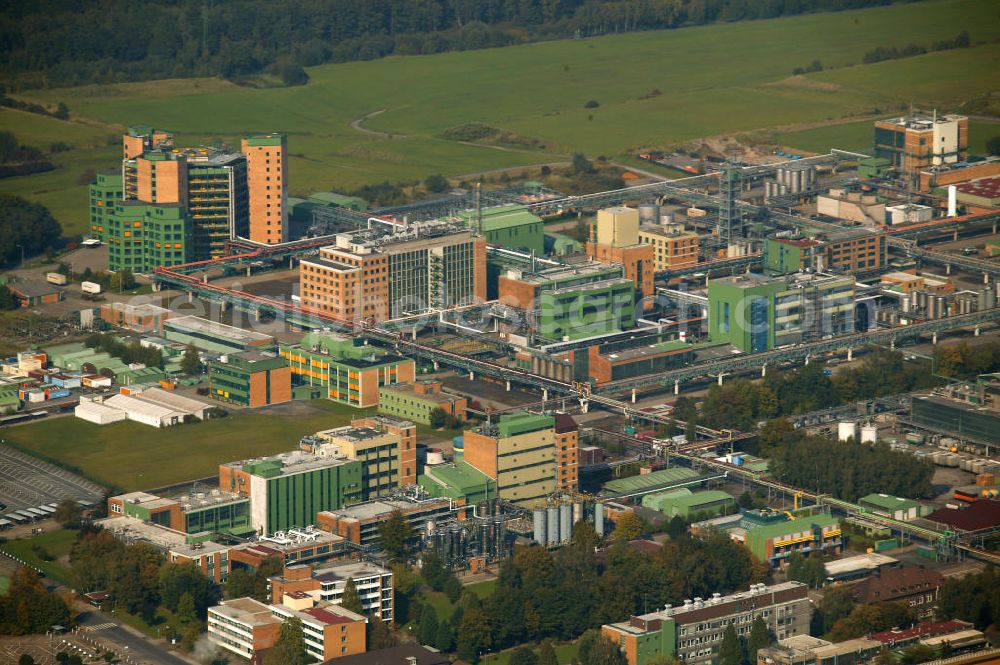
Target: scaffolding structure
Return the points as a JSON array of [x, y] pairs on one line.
[[730, 226]]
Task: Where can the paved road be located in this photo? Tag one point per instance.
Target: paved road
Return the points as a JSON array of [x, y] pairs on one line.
[[105, 626]]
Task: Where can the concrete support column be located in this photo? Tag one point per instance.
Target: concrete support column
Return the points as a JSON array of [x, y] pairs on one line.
[[413, 333], [850, 355], [290, 263], [986, 278], [508, 385], [545, 394], [584, 405], [633, 395], [947, 269], [807, 360], [720, 379], [472, 375], [977, 331], [763, 370], [892, 344], [677, 387], [934, 338], [248, 271], [204, 278], [954, 236], [437, 366], [190, 297]]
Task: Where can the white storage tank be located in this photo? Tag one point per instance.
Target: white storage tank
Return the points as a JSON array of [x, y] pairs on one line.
[[846, 430], [869, 434], [435, 456]]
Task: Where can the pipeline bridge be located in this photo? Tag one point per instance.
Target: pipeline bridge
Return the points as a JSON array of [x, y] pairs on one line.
[[886, 336]]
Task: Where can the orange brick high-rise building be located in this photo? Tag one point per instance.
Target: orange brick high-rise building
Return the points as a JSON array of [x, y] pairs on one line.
[[267, 183]]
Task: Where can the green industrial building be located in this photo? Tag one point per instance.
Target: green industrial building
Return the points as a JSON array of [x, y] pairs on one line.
[[648, 482], [105, 192], [208, 335], [9, 400], [144, 236], [509, 226], [251, 378], [572, 301], [416, 401], [756, 313], [687, 504], [772, 536], [459, 481], [893, 507], [287, 490]]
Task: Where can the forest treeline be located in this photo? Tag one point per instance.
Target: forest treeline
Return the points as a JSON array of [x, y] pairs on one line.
[[52, 43]]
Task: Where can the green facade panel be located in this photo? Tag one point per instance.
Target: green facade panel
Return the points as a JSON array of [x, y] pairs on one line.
[[293, 500], [143, 236], [105, 191]]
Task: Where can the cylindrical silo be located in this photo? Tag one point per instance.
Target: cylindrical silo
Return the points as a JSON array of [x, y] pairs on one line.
[[869, 434], [565, 522], [991, 299], [552, 526], [648, 213], [981, 300], [539, 524], [599, 518], [577, 512], [942, 307], [846, 430]]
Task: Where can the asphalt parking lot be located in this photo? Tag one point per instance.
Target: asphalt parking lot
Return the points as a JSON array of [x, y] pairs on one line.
[[27, 482]]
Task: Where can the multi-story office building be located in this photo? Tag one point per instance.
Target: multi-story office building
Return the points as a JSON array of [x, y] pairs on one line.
[[416, 401], [359, 523], [329, 631], [389, 271], [287, 490], [519, 453], [673, 247], [345, 370], [614, 238], [385, 446], [212, 511], [105, 191], [143, 236], [251, 378], [267, 184], [217, 199], [693, 632], [917, 141], [572, 301], [245, 626], [210, 189], [755, 313], [327, 582], [850, 250], [567, 452]]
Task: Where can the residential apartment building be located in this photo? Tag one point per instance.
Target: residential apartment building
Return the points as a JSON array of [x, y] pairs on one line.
[[251, 378], [693, 632], [415, 401], [756, 313], [519, 453], [581, 299], [287, 490], [386, 447], [914, 142], [327, 583], [673, 247], [267, 184], [614, 238], [391, 270], [344, 369]]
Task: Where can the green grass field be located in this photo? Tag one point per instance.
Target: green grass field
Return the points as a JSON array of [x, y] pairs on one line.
[[56, 543], [4, 584], [712, 80], [132, 456]]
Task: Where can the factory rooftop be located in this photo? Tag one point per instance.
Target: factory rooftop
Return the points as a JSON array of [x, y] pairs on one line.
[[130, 529], [649, 351], [285, 464], [196, 324]]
